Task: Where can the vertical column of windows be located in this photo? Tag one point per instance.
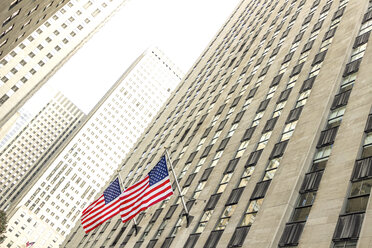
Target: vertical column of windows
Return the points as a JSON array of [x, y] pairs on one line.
[[293, 229]]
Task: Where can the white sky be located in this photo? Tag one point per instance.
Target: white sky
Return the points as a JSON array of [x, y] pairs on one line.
[[181, 29]]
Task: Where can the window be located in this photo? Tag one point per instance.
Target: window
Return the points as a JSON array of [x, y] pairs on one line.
[[291, 234]]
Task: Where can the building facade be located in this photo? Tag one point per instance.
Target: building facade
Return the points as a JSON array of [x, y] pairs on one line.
[[31, 63], [269, 133], [23, 158], [83, 167], [20, 18]]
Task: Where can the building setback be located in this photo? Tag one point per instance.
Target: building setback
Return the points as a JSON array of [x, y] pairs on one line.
[[269, 133], [20, 18], [87, 162], [24, 158], [30, 64]]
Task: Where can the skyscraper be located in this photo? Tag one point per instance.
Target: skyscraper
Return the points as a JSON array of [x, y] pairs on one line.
[[20, 18], [23, 158], [30, 64], [83, 167], [269, 133]]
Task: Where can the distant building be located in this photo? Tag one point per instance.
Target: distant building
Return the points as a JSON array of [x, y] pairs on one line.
[[20, 18], [41, 53], [270, 134], [86, 164], [23, 159]]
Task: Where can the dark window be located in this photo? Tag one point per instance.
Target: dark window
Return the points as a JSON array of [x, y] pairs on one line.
[[340, 99], [308, 19], [167, 242], [206, 174], [285, 33], [239, 236], [294, 17], [170, 211], [188, 141], [297, 39], [191, 241], [252, 92], [294, 114], [215, 98], [307, 85], [206, 151], [279, 149], [213, 239], [259, 60], [260, 190], [361, 39], [206, 132], [316, 3], [234, 196], [317, 26], [276, 80], [191, 157], [253, 158], [231, 166], [367, 16], [184, 134], [248, 80], [222, 125], [152, 243], [156, 215], [362, 169], [369, 124], [284, 95], [264, 71], [288, 57], [220, 109], [291, 234], [270, 124], [352, 67], [327, 137], [223, 144], [239, 116], [329, 34], [236, 101], [297, 69], [248, 133], [232, 90], [319, 57], [275, 51], [212, 202], [263, 105], [348, 226], [189, 180], [311, 181], [338, 13], [308, 46], [326, 7]]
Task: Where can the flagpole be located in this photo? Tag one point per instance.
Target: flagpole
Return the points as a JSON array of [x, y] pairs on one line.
[[188, 217], [134, 218]]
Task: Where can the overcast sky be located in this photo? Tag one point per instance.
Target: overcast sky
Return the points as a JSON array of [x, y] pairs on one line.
[[181, 29]]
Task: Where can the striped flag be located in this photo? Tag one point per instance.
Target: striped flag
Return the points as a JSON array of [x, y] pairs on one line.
[[29, 244], [154, 188], [102, 209]]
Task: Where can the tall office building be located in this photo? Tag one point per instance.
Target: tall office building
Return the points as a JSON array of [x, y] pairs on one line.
[[30, 64], [23, 158], [269, 133], [84, 166], [20, 18]]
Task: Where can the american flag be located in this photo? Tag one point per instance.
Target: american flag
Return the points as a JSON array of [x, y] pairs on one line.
[[154, 188], [29, 244], [102, 209]]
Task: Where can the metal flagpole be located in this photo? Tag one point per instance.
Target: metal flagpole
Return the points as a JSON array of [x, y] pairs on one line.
[[134, 218], [188, 217]]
